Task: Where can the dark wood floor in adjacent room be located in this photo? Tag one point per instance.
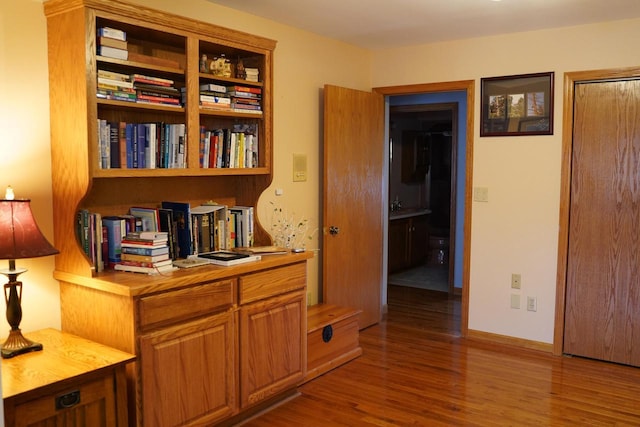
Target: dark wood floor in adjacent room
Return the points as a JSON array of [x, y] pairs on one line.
[[417, 371]]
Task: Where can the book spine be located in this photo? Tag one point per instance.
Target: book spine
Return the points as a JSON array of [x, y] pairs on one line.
[[114, 82], [114, 144], [112, 33], [115, 233], [112, 52], [151, 80], [144, 251], [146, 263], [122, 144]]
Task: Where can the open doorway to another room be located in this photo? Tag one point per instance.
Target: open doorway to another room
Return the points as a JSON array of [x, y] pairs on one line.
[[423, 187]]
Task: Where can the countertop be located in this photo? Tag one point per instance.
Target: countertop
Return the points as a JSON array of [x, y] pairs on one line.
[[408, 213]]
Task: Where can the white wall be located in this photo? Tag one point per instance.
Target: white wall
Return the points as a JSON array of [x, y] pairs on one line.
[[25, 158], [516, 231]]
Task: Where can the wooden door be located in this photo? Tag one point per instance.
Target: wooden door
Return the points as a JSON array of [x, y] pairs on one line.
[[353, 200], [188, 372], [272, 346], [602, 318], [398, 245]]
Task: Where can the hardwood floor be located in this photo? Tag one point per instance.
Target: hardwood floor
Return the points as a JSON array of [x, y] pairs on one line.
[[415, 372]]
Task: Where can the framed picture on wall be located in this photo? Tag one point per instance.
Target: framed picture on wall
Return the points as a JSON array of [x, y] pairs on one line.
[[517, 105]]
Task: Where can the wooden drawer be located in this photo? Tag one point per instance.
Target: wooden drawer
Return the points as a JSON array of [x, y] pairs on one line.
[[268, 283], [92, 401], [186, 303], [332, 338]]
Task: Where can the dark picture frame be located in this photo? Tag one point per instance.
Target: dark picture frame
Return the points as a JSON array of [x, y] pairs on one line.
[[517, 105]]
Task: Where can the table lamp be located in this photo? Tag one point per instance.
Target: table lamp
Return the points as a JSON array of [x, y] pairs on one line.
[[20, 237]]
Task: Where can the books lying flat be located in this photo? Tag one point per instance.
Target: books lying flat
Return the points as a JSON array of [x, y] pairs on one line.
[[226, 259], [112, 52]]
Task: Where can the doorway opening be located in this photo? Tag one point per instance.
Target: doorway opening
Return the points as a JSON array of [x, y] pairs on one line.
[[427, 138], [422, 171]]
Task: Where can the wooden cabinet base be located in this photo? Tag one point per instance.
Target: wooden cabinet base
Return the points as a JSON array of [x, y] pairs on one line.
[[332, 338]]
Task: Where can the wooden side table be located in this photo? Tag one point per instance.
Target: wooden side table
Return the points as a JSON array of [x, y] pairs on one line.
[[72, 381]]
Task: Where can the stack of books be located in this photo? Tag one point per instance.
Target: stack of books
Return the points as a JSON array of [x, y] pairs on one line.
[[215, 97], [145, 252], [245, 99], [155, 90], [118, 86], [251, 74], [112, 43]]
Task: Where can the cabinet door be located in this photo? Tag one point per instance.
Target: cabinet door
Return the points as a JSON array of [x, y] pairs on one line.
[[419, 239], [187, 372], [91, 404], [273, 346], [415, 156], [398, 244]]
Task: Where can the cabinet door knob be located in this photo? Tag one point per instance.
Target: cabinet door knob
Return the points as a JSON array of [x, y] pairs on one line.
[[327, 333], [68, 400], [333, 230]]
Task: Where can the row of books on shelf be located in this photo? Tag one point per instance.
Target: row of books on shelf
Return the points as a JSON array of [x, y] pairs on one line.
[[137, 88], [148, 240], [235, 98], [161, 91], [229, 148], [141, 145]]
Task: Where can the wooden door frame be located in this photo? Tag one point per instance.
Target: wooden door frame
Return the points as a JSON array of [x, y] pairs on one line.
[[570, 79], [469, 87]]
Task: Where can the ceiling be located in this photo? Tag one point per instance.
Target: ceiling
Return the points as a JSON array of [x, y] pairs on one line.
[[380, 24]]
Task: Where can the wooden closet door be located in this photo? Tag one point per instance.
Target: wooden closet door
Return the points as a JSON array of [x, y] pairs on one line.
[[602, 317]]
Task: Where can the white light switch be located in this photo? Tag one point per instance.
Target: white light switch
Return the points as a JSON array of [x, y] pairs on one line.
[[299, 167]]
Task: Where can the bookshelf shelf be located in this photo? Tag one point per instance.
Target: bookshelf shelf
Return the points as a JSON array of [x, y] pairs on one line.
[[140, 65]]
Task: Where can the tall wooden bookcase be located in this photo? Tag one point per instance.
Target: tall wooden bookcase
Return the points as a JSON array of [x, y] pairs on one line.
[[220, 341], [78, 181]]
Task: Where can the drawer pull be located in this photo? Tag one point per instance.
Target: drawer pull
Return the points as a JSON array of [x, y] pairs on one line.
[[327, 333], [68, 400]]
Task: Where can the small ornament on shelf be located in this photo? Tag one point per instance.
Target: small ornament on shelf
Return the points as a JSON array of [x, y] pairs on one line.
[[240, 72], [203, 64]]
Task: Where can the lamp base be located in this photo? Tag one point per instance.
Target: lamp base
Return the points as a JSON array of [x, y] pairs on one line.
[[17, 344]]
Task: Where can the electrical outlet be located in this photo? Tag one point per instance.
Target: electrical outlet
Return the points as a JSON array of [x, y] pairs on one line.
[[516, 281], [515, 301], [532, 304]]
